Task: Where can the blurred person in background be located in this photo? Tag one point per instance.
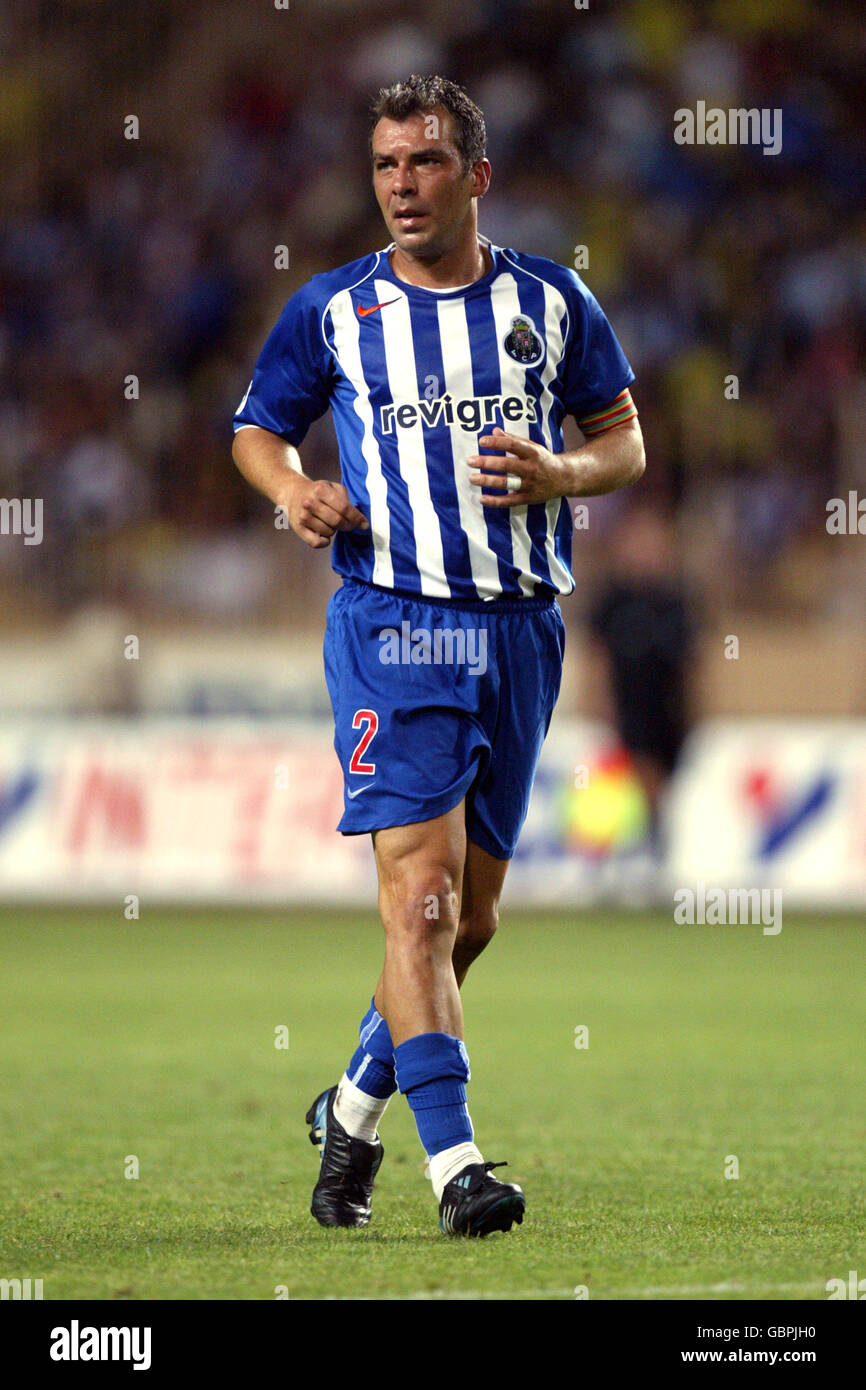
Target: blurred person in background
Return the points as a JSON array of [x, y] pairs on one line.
[[643, 638]]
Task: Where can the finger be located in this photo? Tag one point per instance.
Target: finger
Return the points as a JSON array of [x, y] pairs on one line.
[[498, 461], [350, 517], [327, 509], [312, 538], [337, 515], [334, 517], [313, 520], [497, 480], [510, 481], [353, 520], [514, 443], [512, 499]]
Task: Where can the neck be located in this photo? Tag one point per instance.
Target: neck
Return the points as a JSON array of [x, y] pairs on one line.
[[461, 265]]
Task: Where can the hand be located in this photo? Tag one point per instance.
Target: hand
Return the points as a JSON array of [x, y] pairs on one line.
[[542, 474], [317, 509]]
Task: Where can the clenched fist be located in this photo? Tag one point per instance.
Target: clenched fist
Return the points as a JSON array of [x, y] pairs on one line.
[[317, 509]]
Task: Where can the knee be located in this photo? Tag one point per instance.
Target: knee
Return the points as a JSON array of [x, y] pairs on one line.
[[477, 929], [422, 900]]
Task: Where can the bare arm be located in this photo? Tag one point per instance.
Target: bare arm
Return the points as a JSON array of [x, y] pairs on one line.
[[315, 509], [605, 463]]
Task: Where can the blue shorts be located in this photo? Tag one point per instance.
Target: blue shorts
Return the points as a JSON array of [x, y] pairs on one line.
[[436, 700]]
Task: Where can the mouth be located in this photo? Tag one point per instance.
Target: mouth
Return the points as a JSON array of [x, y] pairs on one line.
[[408, 218]]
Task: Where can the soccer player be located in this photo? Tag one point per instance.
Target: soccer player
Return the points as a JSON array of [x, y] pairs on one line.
[[449, 364]]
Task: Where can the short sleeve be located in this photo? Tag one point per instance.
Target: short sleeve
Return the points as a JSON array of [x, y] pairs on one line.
[[597, 372], [291, 384]]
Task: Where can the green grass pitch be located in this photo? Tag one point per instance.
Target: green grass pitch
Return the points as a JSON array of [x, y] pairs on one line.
[[156, 1039]]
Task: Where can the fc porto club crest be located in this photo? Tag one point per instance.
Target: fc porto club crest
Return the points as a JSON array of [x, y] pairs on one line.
[[523, 343]]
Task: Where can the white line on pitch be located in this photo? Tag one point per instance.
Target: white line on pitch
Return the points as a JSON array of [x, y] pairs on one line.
[[671, 1291]]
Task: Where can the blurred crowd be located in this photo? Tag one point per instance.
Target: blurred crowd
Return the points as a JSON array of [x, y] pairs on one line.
[[138, 276]]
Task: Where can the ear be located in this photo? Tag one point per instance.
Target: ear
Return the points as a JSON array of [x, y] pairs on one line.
[[481, 178]]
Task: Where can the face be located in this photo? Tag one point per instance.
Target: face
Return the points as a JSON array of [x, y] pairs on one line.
[[422, 191]]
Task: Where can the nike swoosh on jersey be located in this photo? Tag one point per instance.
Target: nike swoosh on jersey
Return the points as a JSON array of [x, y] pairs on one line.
[[352, 795], [362, 312]]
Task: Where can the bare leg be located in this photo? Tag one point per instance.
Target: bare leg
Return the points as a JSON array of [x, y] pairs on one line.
[[483, 877], [420, 871]]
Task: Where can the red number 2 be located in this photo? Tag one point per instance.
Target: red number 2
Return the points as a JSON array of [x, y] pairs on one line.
[[371, 719]]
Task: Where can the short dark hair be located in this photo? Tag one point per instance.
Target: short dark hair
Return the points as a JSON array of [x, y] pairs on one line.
[[421, 94]]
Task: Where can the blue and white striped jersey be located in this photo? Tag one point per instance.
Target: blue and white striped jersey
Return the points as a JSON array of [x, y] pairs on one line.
[[414, 377]]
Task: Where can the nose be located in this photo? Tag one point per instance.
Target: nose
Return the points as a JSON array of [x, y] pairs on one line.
[[404, 179]]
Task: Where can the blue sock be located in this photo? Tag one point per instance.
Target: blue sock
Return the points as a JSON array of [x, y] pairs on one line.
[[372, 1066], [432, 1071]]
